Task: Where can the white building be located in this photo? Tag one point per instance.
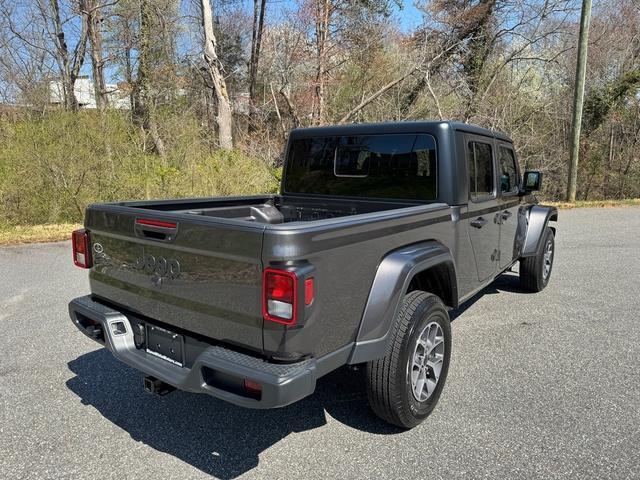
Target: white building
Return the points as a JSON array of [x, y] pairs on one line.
[[117, 94]]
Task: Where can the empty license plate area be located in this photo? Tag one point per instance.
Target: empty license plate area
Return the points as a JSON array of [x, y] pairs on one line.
[[165, 344]]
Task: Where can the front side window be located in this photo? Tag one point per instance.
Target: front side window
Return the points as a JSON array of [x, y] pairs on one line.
[[508, 171], [481, 175], [391, 166]]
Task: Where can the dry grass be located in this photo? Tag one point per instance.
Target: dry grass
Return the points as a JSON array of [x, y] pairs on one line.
[[596, 203], [37, 233]]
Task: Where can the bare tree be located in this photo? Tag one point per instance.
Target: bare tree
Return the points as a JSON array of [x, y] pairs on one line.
[[24, 60], [323, 11], [93, 11], [335, 39], [69, 64], [122, 42], [449, 26], [224, 119], [47, 36], [259, 8]]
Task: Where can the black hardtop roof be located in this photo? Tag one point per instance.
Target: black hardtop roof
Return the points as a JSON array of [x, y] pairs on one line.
[[396, 127]]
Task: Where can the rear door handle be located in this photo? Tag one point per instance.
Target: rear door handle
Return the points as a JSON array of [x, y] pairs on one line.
[[506, 214], [478, 222]]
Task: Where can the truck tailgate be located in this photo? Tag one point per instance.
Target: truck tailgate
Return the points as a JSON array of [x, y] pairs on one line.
[[203, 276]]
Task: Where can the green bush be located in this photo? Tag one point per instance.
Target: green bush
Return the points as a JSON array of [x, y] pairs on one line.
[[53, 166]]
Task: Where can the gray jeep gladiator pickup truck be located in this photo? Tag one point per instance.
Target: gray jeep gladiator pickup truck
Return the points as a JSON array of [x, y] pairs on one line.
[[379, 230]]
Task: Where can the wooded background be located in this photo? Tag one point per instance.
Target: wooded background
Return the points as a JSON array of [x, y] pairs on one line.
[[214, 87]]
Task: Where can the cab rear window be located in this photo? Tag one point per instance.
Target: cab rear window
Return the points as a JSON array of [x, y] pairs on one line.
[[390, 166]]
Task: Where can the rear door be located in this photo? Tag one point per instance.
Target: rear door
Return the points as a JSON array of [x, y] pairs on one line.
[[202, 276], [509, 202], [484, 226]]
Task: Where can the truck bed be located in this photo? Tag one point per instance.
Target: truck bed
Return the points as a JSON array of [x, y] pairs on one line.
[[267, 209]]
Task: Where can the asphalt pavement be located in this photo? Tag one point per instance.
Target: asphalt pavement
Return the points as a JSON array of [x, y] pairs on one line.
[[540, 386]]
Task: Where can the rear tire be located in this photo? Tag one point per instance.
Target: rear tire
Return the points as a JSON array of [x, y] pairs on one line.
[[404, 386], [535, 271]]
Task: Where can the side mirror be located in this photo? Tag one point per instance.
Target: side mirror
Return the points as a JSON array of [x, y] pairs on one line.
[[532, 181]]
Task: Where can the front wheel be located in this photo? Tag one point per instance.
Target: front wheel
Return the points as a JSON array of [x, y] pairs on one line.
[[404, 386], [535, 271]]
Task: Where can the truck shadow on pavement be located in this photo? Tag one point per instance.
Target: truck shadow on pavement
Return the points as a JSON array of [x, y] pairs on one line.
[[505, 283], [216, 437]]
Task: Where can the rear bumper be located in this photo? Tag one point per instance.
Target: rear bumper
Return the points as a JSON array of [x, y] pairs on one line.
[[281, 384]]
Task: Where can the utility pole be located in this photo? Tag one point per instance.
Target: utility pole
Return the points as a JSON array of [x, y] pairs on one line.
[[578, 99]]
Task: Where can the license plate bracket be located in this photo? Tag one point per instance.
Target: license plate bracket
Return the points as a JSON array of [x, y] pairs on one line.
[[165, 344]]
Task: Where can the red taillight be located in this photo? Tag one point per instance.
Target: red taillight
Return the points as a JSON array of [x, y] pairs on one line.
[[279, 297], [280, 286], [81, 248], [308, 291]]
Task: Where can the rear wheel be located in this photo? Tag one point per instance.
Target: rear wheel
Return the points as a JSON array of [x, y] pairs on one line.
[[535, 271], [404, 386]]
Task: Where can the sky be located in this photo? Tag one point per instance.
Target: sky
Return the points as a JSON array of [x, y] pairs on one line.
[[410, 17]]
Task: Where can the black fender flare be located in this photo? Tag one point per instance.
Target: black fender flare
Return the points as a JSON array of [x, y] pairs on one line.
[[387, 292], [538, 218]]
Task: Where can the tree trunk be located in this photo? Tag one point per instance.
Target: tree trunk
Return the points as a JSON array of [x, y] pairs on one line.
[[142, 81], [479, 16], [292, 109], [128, 76], [479, 48], [224, 119], [70, 101], [144, 108], [323, 15], [275, 105], [94, 32], [69, 66], [259, 8]]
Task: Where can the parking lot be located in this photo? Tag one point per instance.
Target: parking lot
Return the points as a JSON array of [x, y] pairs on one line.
[[540, 385]]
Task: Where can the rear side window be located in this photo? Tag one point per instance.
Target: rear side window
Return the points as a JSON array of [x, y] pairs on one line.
[[481, 173], [391, 166], [508, 171]]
